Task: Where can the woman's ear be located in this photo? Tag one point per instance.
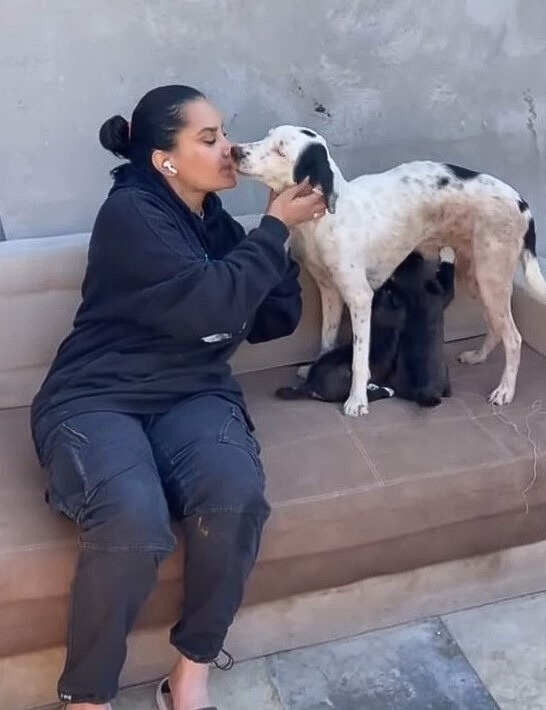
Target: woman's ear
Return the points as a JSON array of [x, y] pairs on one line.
[[163, 163]]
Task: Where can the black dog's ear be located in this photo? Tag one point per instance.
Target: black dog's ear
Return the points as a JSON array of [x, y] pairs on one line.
[[313, 163]]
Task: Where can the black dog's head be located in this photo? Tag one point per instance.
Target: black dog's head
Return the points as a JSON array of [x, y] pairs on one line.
[[416, 282], [388, 307], [425, 289]]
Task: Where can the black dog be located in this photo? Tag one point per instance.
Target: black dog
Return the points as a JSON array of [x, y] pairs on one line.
[[329, 378], [406, 345]]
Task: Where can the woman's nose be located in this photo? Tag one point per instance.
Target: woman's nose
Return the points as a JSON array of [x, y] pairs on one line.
[[226, 148]]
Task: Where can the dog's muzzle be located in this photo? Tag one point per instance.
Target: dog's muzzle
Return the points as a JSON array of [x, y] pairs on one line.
[[238, 154]]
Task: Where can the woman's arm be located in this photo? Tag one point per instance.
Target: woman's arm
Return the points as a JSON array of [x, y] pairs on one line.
[[161, 280], [279, 314]]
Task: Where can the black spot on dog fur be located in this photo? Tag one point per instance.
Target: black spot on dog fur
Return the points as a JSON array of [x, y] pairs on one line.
[[530, 239], [461, 173], [313, 163], [523, 206], [309, 133], [442, 182]]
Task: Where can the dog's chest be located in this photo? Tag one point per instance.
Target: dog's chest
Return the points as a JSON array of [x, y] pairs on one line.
[[331, 254], [317, 250]]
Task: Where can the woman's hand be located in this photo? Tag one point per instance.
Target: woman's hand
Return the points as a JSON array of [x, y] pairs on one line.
[[297, 204], [272, 197]]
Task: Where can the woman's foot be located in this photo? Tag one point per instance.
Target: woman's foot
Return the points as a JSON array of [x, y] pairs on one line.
[[188, 685]]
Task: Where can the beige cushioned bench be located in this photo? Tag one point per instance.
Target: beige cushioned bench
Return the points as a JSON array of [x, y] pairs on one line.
[[352, 498]]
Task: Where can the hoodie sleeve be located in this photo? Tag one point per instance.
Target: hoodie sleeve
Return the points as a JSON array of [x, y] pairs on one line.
[[279, 313], [163, 280]]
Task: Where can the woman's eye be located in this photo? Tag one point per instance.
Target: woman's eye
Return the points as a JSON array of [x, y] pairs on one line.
[[211, 142]]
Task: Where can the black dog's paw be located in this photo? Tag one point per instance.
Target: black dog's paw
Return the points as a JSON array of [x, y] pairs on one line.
[[428, 401], [377, 392], [288, 393]]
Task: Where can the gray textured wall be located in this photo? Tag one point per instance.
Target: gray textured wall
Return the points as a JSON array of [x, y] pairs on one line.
[[384, 81]]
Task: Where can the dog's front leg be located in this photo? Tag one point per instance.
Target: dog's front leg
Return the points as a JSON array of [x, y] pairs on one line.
[[361, 313], [332, 310]]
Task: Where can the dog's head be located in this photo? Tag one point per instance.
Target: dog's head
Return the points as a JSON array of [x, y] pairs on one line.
[[286, 156]]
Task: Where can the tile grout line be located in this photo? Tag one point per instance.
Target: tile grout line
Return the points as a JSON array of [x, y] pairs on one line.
[[272, 681], [447, 630], [362, 450]]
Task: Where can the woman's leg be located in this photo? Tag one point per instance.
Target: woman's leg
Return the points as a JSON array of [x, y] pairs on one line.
[[102, 474], [214, 481]]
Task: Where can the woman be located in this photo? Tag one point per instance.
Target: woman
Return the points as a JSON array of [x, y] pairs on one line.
[[139, 418]]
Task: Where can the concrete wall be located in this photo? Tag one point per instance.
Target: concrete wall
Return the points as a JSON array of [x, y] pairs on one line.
[[384, 82]]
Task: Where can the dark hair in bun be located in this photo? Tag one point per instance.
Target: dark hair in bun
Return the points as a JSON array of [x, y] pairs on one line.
[[156, 120], [114, 136]]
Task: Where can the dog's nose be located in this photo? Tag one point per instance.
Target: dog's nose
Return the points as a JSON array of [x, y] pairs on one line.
[[237, 153]]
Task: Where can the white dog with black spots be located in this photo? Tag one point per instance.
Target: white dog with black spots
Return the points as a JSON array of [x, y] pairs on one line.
[[374, 221]]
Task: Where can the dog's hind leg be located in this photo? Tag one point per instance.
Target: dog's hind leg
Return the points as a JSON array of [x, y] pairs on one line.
[[476, 357], [493, 292], [511, 340], [495, 288]]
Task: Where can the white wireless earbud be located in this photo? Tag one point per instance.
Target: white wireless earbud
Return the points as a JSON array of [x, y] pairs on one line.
[[170, 167]]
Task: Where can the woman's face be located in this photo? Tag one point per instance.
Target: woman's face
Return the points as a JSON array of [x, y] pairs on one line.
[[202, 154]]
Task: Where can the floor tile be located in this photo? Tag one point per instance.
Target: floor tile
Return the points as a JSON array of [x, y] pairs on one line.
[[506, 644], [326, 465], [473, 383], [415, 667], [245, 687], [440, 448]]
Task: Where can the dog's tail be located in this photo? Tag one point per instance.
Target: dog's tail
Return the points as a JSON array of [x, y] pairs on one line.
[[531, 269]]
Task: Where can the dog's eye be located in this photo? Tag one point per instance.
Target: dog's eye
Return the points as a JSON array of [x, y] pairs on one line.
[[279, 150]]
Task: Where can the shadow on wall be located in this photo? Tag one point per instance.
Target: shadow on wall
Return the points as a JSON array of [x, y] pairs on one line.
[[2, 233]]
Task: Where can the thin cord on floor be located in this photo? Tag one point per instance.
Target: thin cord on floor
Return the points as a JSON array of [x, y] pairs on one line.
[[536, 408]]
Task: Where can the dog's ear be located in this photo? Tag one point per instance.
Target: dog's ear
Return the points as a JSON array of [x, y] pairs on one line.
[[313, 163]]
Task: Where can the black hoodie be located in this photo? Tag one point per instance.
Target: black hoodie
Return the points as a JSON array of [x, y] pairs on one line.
[[166, 300]]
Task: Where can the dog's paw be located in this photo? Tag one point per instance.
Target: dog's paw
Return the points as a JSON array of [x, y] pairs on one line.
[[355, 407], [502, 395], [471, 357], [303, 371], [377, 392], [447, 254]]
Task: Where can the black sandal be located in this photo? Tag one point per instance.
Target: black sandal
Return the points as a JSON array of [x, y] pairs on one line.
[[163, 690]]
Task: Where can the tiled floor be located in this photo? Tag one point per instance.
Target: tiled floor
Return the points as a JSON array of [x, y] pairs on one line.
[[489, 658]]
